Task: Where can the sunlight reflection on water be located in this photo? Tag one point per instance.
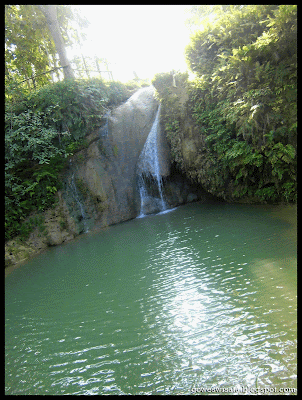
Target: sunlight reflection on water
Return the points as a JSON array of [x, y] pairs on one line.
[[202, 296]]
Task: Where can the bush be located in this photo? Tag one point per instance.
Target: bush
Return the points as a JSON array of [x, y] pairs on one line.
[[244, 98], [41, 130]]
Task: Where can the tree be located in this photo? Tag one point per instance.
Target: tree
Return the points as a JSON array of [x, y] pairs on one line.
[[26, 41], [30, 49], [200, 16], [231, 27], [50, 13]]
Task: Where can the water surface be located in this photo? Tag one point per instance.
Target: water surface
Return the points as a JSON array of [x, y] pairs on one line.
[[203, 296]]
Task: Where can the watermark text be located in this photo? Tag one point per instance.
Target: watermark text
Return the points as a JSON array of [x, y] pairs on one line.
[[243, 389]]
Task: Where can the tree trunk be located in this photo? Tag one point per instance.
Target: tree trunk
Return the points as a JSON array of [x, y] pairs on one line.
[[50, 13]]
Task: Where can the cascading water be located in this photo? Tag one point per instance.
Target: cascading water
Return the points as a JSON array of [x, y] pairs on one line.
[[149, 168]]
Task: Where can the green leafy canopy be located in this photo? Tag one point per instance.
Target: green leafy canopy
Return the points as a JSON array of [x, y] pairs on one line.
[[243, 99]]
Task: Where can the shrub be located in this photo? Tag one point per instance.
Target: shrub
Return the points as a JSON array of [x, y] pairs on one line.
[[41, 131]]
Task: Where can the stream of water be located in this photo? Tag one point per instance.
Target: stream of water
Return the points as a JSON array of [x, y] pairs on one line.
[[202, 298], [149, 166]]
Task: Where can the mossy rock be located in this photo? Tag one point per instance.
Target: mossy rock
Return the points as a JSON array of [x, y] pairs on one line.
[[17, 252]]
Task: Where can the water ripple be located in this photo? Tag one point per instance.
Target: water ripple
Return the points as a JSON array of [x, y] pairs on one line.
[[206, 298]]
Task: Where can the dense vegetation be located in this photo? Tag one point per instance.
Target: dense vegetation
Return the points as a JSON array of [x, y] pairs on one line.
[[242, 103], [30, 50], [243, 99], [41, 130], [46, 119]]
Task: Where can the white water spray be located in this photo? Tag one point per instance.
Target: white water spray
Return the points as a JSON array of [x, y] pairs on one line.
[[149, 166]]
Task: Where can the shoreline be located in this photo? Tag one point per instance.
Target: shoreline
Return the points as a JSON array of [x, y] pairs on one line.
[[285, 212]]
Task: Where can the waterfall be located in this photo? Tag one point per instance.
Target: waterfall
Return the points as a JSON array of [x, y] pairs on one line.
[[150, 168]]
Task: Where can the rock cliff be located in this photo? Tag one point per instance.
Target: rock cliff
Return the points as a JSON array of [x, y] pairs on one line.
[[100, 182], [105, 172]]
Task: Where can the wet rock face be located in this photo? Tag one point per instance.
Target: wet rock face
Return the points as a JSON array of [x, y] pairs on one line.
[[151, 205], [179, 190], [100, 186], [106, 170], [105, 173], [56, 226]]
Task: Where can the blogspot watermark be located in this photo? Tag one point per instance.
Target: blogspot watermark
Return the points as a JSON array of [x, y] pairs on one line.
[[244, 390]]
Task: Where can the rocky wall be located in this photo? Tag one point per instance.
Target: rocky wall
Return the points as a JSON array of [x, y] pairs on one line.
[[100, 183]]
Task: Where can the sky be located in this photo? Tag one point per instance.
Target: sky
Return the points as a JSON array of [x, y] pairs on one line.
[[147, 39]]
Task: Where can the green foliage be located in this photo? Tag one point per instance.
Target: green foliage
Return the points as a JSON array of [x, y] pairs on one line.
[[41, 131], [232, 27], [24, 35], [244, 97], [33, 222], [162, 82], [75, 106], [135, 84], [242, 100], [29, 46]]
